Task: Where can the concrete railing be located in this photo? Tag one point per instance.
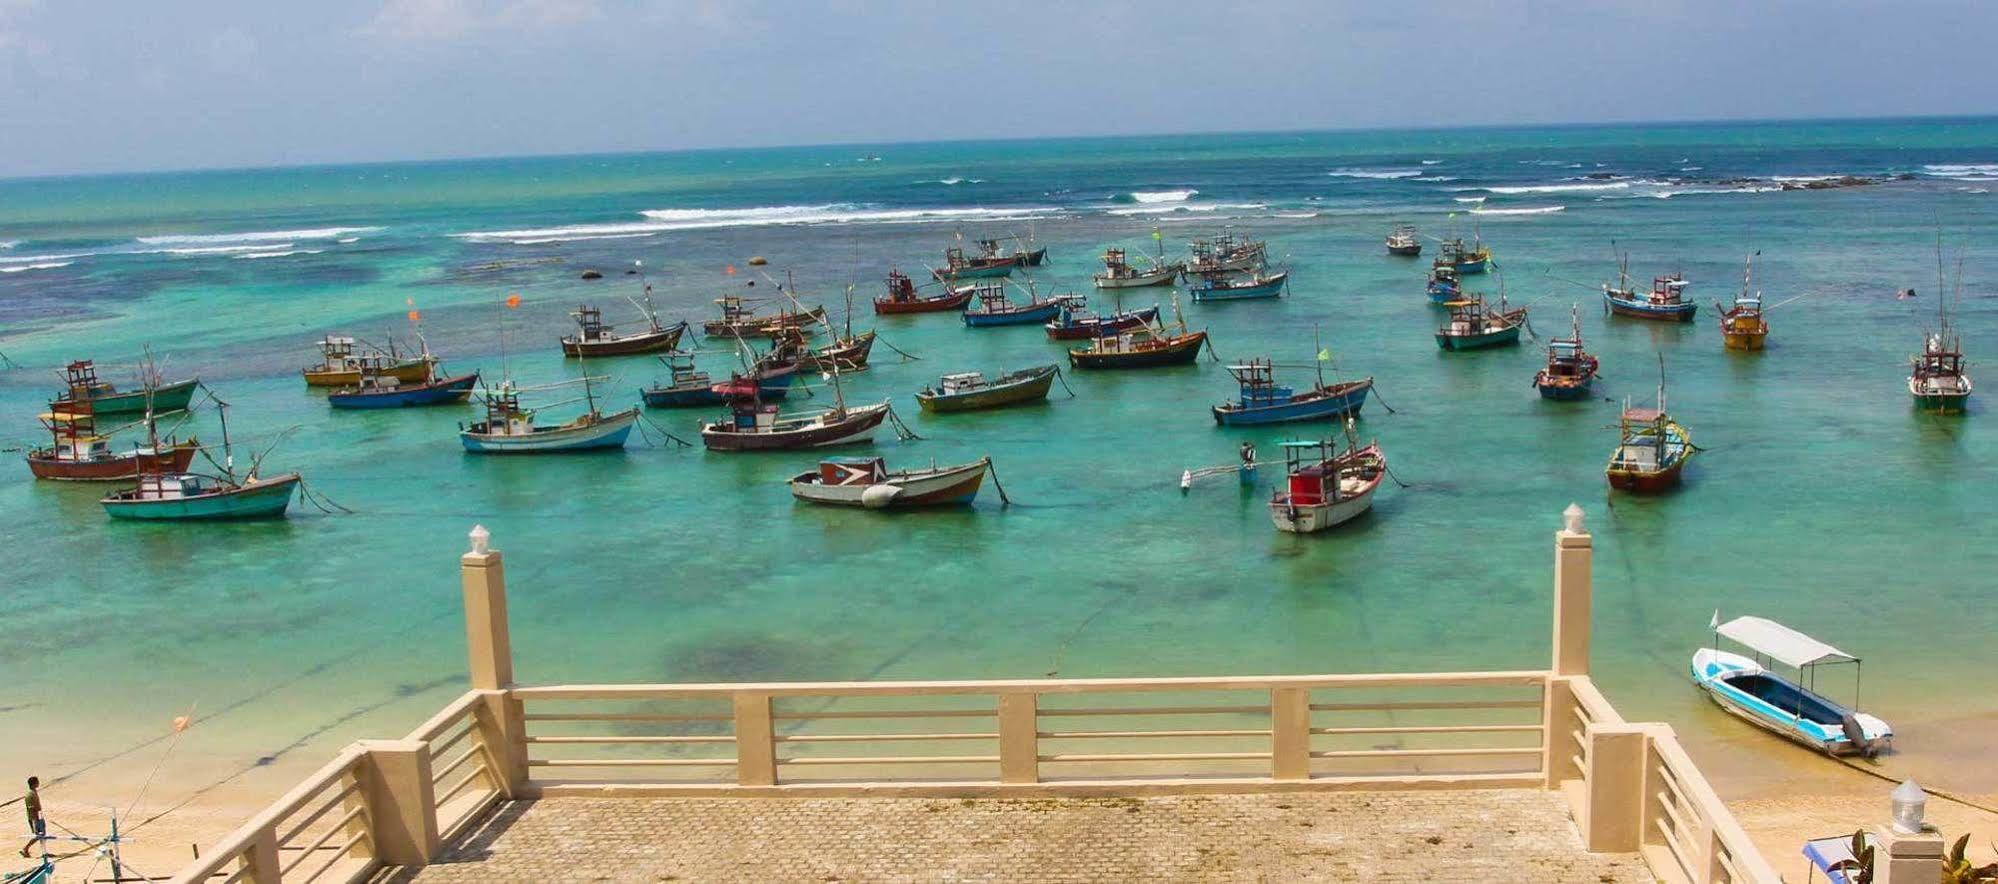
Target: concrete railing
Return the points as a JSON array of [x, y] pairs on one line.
[[394, 803]]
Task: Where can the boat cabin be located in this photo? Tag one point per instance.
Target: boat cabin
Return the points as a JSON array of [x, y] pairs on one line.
[[1257, 379], [75, 436], [853, 471], [992, 298], [591, 320], [1644, 443], [504, 416], [954, 259], [901, 288], [1565, 359], [1941, 358], [1668, 289], [80, 377], [962, 382], [173, 486], [1319, 474]]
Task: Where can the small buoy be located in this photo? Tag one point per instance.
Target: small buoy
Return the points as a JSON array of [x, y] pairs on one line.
[[592, 274], [758, 261], [879, 496], [1186, 480]]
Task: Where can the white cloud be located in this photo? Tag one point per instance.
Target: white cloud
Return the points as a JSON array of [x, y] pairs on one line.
[[444, 21]]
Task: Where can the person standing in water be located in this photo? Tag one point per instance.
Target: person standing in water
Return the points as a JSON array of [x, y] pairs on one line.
[[38, 828]]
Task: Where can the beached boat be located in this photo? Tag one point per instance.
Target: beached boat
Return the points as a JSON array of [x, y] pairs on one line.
[[510, 429], [970, 391], [1118, 273], [754, 425], [380, 391], [866, 482], [691, 387], [594, 338], [740, 320], [193, 497], [1261, 400], [1570, 370], [1747, 688], [81, 385], [1473, 327], [1224, 287], [1145, 346], [1223, 253], [79, 453], [1326, 487], [902, 297], [1402, 240], [1744, 325], [958, 267], [342, 365], [1461, 258], [994, 309], [1651, 449], [1665, 302], [1075, 322], [1444, 285]]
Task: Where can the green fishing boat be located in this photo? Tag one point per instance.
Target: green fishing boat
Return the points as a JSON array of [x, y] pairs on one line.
[[83, 386]]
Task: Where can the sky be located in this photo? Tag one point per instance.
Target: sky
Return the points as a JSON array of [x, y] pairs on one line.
[[91, 86]]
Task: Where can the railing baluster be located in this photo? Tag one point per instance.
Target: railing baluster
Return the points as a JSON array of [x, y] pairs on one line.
[[755, 746], [1290, 734], [1019, 738]]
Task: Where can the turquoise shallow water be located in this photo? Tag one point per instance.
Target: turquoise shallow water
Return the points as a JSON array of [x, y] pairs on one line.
[[1823, 500]]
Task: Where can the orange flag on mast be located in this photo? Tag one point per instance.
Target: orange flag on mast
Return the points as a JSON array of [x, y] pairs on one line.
[[513, 301]]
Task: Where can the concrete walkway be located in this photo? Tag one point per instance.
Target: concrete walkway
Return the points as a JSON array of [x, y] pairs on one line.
[[1510, 835]]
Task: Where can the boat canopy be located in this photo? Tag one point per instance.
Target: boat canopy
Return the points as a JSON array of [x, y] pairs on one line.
[[1773, 639]]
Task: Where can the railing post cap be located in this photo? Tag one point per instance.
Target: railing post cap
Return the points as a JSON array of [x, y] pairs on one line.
[[1572, 532], [481, 538]]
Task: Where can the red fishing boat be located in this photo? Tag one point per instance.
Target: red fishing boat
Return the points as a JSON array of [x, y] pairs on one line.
[[1145, 346], [902, 297], [1570, 369], [80, 454]]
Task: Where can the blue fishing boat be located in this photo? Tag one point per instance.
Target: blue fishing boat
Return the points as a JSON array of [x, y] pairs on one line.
[[1665, 302], [192, 497], [1444, 285], [1263, 401], [693, 388], [994, 309], [1465, 260], [1218, 287], [510, 429], [1793, 709], [384, 391]]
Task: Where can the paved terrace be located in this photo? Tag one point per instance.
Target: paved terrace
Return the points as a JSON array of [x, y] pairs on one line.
[[1497, 835]]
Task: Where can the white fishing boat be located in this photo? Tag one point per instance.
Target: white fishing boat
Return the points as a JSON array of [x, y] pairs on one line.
[[1326, 487], [1746, 686], [866, 482]]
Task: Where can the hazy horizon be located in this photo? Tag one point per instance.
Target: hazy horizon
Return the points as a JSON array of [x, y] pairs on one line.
[[224, 84]]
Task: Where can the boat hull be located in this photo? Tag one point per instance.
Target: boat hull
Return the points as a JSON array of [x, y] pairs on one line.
[[1030, 315], [916, 488], [650, 342], [1646, 481], [171, 397], [1943, 404], [263, 499], [1270, 289], [609, 433], [1310, 406], [1743, 340], [1479, 265], [939, 304], [1655, 312], [175, 459], [1563, 390], [1161, 276], [1501, 338], [441, 392], [1408, 251], [414, 371], [989, 271], [1096, 327], [859, 426], [772, 387], [1311, 518], [1180, 352], [1030, 389]]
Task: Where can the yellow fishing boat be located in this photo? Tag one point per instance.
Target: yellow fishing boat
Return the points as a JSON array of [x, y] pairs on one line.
[[342, 367], [1743, 326]]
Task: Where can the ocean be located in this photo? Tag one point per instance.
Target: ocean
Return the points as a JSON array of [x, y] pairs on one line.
[[1822, 499]]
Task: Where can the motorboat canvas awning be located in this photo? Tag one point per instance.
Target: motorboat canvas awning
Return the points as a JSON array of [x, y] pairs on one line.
[[1774, 640]]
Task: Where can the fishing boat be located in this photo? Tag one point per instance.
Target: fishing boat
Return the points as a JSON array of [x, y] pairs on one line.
[[970, 391], [1444, 285], [1326, 487], [594, 338], [1075, 322], [1118, 273], [81, 385], [848, 353], [1939, 382], [1464, 259], [179, 496], [866, 482], [753, 425], [739, 320], [691, 387], [1403, 241], [510, 429], [341, 365], [1749, 689], [379, 391], [1570, 370], [994, 309], [1651, 449], [1261, 400], [1473, 327], [1223, 253], [902, 297], [958, 267], [79, 453], [1020, 256], [1224, 287], [1744, 325], [1665, 302], [1145, 346]]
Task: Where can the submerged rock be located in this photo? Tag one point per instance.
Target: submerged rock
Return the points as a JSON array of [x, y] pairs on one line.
[[592, 274]]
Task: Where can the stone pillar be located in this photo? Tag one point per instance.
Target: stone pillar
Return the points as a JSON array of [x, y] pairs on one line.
[[1557, 721], [401, 799], [1572, 550], [1907, 857], [1019, 738], [755, 741], [1290, 733], [1614, 815], [487, 643], [260, 862]]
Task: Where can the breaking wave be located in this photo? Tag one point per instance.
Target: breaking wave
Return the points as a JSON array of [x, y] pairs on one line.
[[258, 236], [662, 220], [46, 265], [1375, 173], [1537, 210], [278, 254], [1162, 196]]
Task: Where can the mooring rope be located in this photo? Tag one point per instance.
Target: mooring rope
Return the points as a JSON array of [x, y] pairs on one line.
[[902, 430], [906, 356], [1377, 398], [645, 420], [1064, 382], [1944, 794], [322, 502], [994, 470]]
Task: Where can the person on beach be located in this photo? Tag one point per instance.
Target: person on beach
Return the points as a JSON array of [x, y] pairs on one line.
[[38, 828]]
